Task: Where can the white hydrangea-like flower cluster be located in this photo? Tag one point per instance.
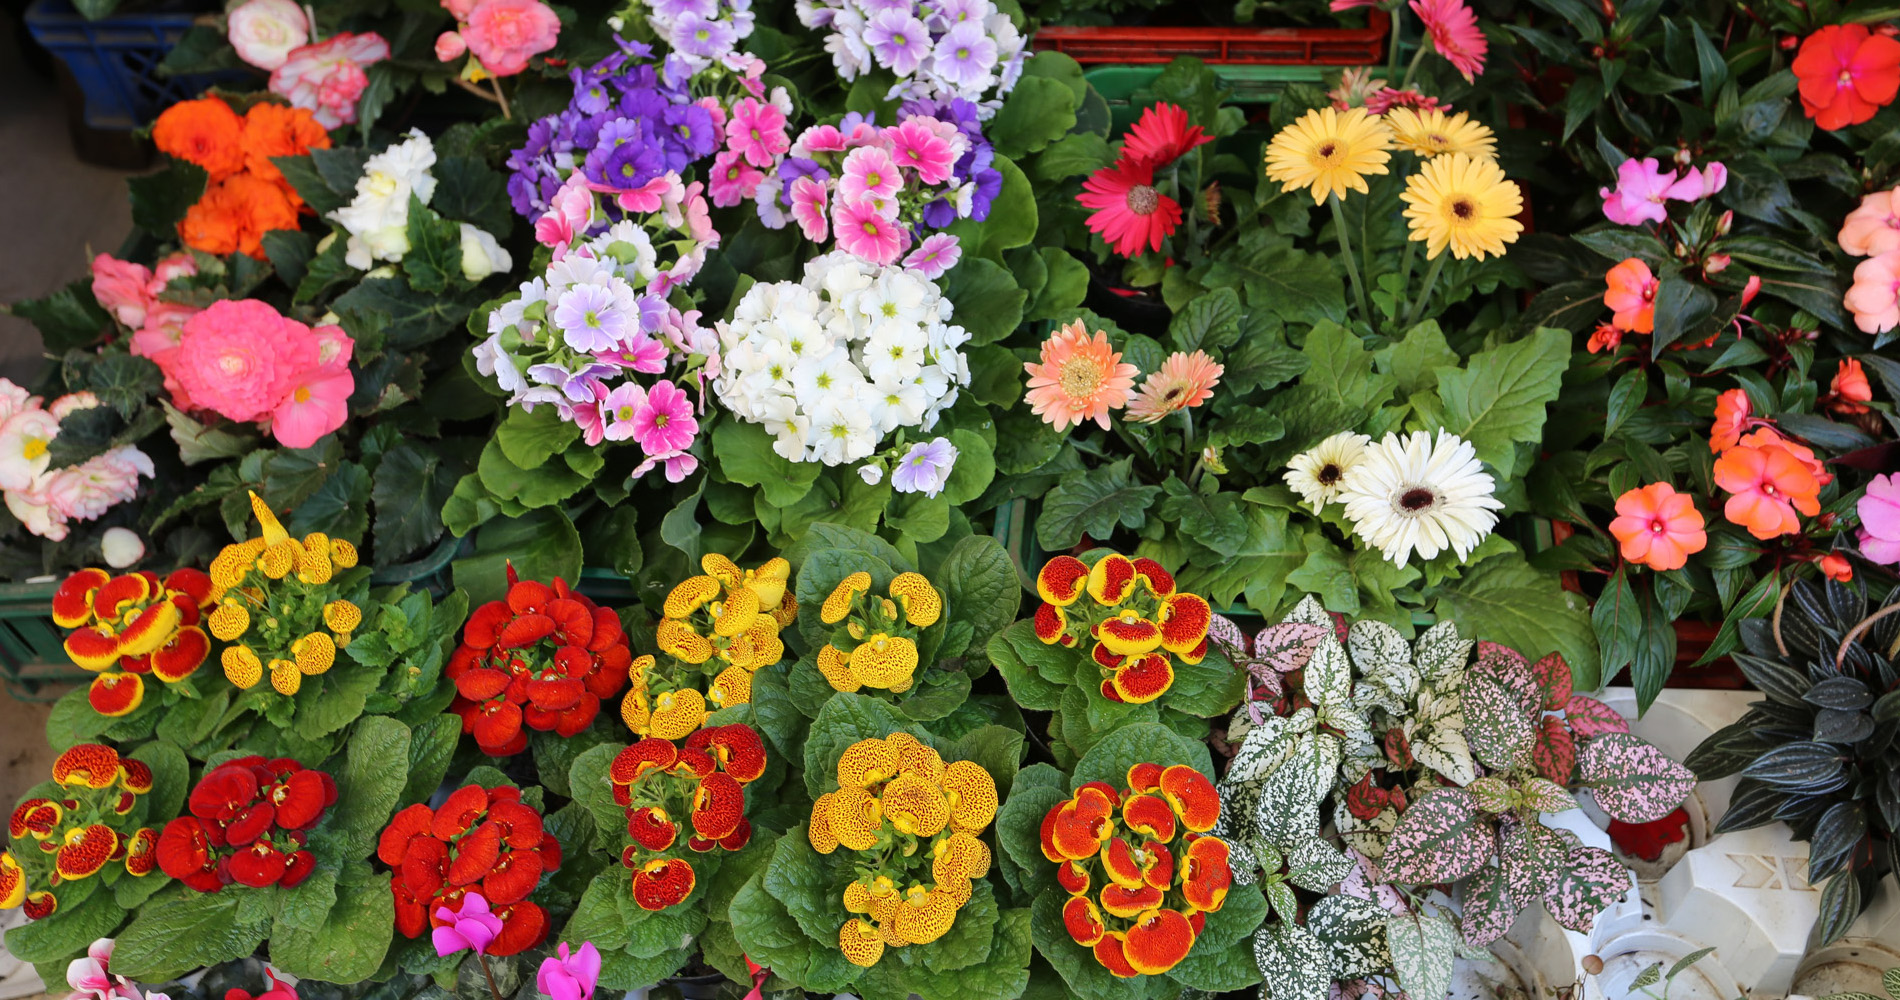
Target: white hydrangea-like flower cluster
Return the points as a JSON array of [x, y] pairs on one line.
[[832, 364]]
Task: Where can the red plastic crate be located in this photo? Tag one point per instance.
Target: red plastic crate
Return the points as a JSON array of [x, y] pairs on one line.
[[1222, 46]]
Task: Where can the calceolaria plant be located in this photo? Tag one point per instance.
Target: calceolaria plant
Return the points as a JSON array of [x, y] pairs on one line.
[[703, 781], [130, 625], [1112, 643], [90, 821], [874, 641], [283, 608], [248, 824], [718, 629], [1818, 751]]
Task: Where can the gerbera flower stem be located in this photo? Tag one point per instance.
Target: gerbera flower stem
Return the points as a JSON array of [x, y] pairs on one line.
[[1425, 292], [1411, 70], [1352, 264]]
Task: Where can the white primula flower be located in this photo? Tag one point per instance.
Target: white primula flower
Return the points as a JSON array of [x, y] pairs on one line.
[[897, 404], [817, 379], [1413, 493], [895, 354], [1318, 473], [841, 431], [871, 474]]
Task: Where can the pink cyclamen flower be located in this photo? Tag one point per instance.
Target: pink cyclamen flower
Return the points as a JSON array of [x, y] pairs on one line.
[[565, 976], [265, 32], [939, 252], [1879, 510], [327, 78], [1696, 185], [917, 146], [665, 424], [1641, 187], [756, 131], [450, 45], [239, 358], [122, 288], [473, 928], [1874, 298], [88, 976], [505, 34], [863, 230], [870, 173], [1873, 228], [809, 202], [1455, 34], [319, 396], [733, 180]]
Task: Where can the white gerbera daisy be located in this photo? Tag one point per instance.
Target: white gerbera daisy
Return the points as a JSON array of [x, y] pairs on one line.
[[1411, 493], [1317, 473]]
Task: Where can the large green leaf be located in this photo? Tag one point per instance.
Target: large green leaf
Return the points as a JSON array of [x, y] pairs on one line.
[[375, 769], [1508, 601], [746, 456], [349, 946], [186, 930], [1092, 502], [542, 544], [1110, 759], [1498, 398]]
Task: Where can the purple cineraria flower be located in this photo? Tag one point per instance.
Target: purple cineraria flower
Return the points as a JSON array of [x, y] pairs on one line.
[[898, 40], [593, 318], [703, 37], [925, 468], [965, 55]]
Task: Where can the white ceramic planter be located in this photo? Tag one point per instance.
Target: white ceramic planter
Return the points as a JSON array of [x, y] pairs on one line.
[[17, 979], [1676, 724]]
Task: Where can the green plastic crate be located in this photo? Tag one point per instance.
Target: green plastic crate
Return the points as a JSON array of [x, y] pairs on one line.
[[33, 661]]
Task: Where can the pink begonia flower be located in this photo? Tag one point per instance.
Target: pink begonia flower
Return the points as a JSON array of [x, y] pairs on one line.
[[239, 358], [664, 422], [1696, 185], [35, 512], [327, 78], [939, 252], [1641, 187], [72, 403], [264, 32], [1874, 298], [809, 203], [450, 45], [1873, 228], [917, 146], [1879, 510], [756, 130], [171, 268], [569, 213], [461, 9], [505, 34], [14, 399], [471, 929], [86, 491], [733, 180], [158, 340], [24, 441], [870, 173], [565, 976], [678, 466], [319, 396], [122, 288], [863, 230]]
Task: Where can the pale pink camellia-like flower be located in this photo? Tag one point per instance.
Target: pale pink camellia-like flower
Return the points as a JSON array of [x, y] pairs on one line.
[[89, 977], [25, 440], [86, 491], [1870, 230], [239, 358], [1455, 34], [1879, 510], [863, 230], [1874, 298], [265, 32], [450, 45], [158, 340], [809, 204], [505, 34], [1641, 188], [122, 288], [327, 78], [319, 396]]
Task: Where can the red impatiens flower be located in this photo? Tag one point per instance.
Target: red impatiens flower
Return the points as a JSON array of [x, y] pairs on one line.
[[482, 840], [543, 658], [1162, 136], [1847, 73], [247, 824], [703, 781], [1129, 212]]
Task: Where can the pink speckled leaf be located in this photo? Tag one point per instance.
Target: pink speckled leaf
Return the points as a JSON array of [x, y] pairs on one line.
[[1589, 717], [1487, 907], [1553, 678], [1441, 838], [1285, 647], [1488, 650], [1556, 753], [1591, 881], [1632, 780], [1501, 711], [1226, 636], [1533, 856]]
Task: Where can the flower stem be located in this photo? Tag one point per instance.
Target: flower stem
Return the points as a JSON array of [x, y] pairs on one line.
[[492, 991], [501, 99], [1392, 50], [1187, 436], [1352, 264], [1424, 293], [1411, 70]]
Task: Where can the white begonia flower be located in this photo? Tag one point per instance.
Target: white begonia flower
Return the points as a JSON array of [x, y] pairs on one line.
[[482, 254], [377, 219]]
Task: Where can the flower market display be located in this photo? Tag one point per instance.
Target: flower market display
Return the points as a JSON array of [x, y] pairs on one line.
[[882, 499]]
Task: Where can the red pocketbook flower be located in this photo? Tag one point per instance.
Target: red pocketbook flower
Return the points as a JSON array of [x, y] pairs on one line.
[[247, 823], [135, 623], [91, 824], [481, 840]]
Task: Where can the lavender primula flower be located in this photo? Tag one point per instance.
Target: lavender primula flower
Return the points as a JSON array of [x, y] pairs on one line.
[[965, 55], [578, 386], [701, 36], [898, 40], [595, 318], [925, 468]]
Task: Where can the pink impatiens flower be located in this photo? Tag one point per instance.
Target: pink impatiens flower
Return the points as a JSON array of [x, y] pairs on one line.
[[665, 424], [1455, 34], [1641, 187], [733, 180], [863, 230], [870, 173], [1873, 228], [809, 202], [1696, 185], [1879, 510], [917, 146], [327, 78], [505, 34], [1874, 298], [756, 131]]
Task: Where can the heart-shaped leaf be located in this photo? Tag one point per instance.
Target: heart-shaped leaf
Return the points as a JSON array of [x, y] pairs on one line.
[[1632, 780], [1441, 838]]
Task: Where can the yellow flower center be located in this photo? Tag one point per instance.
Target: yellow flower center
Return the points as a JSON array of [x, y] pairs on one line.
[[35, 447], [1081, 377]]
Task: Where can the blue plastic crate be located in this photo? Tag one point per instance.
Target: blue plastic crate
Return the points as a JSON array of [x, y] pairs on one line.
[[115, 59]]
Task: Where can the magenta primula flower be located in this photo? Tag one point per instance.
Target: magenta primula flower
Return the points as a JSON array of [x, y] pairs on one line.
[[863, 230], [809, 204], [756, 130], [939, 252], [870, 173], [665, 422], [732, 180], [1641, 187], [917, 146]]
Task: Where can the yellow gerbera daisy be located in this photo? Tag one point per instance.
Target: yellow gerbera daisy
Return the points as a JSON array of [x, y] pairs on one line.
[[1432, 133], [1329, 152], [1462, 203]]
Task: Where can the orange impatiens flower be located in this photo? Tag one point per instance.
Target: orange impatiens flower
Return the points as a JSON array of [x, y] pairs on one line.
[[205, 132], [1658, 527], [1767, 483], [1631, 296], [1183, 381], [1732, 410], [1080, 378], [1846, 73], [1849, 390]]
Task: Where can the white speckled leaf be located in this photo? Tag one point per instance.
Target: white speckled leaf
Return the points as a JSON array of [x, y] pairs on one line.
[[1329, 677], [1437, 735], [1294, 964], [1440, 654], [1268, 745], [1423, 947], [1355, 931], [1280, 898], [1318, 866], [1383, 659]]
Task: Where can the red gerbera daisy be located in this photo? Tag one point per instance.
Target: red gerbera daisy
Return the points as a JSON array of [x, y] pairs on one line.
[[1128, 212], [1162, 136]]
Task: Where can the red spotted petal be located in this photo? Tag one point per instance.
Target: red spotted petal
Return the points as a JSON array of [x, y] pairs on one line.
[[1144, 777], [72, 602], [475, 854], [192, 583], [1119, 861], [1144, 678], [1206, 874], [1192, 796], [523, 925], [1160, 870], [113, 596], [87, 765], [697, 763], [85, 851], [740, 836], [650, 828], [1111, 578], [1080, 830], [1052, 625], [1048, 831], [663, 882], [739, 750], [1061, 580], [1083, 921], [1151, 815], [1073, 878], [718, 806], [39, 905], [151, 629], [1158, 941], [115, 694], [179, 658], [1110, 797], [485, 623], [410, 822], [650, 754], [34, 817], [92, 648], [1125, 902], [1184, 621], [1160, 582], [1109, 951], [1129, 634], [1106, 658]]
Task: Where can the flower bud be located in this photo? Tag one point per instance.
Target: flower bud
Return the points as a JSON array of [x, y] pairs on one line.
[[1828, 519], [1750, 290], [450, 45], [122, 547], [1684, 157], [481, 254], [1716, 263], [1725, 222]]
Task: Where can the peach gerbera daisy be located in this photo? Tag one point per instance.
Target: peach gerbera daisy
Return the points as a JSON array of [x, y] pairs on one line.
[[1080, 378], [1184, 380]]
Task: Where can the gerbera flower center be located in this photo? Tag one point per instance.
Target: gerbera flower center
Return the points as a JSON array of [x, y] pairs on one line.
[[1417, 500], [1143, 199], [1080, 377], [1463, 209], [1329, 152], [1329, 474]]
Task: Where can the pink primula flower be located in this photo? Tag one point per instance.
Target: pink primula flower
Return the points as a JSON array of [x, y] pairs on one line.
[[664, 422], [870, 173], [864, 230], [939, 252], [327, 78], [1641, 187], [568, 215], [917, 146], [809, 203], [756, 130], [733, 180], [505, 34], [1874, 298]]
